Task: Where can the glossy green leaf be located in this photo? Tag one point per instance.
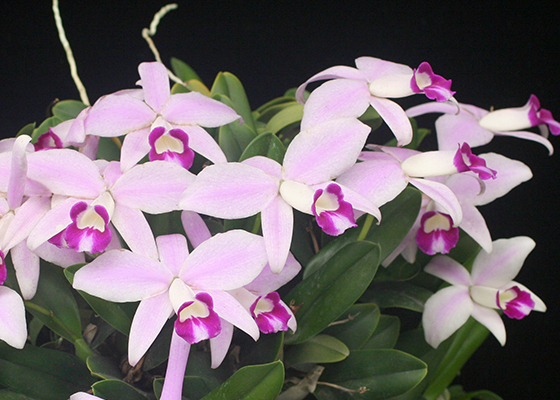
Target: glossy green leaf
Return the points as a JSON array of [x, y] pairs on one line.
[[287, 116], [54, 304], [68, 109], [112, 389], [44, 127], [234, 138], [257, 382], [27, 129], [103, 367], [183, 71], [268, 110], [265, 350], [266, 144], [386, 333], [194, 387], [118, 315], [227, 84], [108, 149], [398, 216], [42, 373], [323, 296], [397, 294], [356, 325], [9, 395], [318, 349], [383, 373]]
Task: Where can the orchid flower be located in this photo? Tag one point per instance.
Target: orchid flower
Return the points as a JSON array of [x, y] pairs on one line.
[[372, 83], [141, 113], [489, 287], [192, 286], [90, 194], [477, 126], [303, 181]]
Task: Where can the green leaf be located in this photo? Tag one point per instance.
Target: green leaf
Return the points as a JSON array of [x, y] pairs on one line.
[[233, 138], [112, 389], [27, 129], [183, 71], [265, 112], [108, 150], [9, 395], [103, 367], [266, 144], [356, 325], [383, 373], [398, 216], [44, 127], [68, 109], [265, 350], [118, 315], [332, 289], [194, 387], [386, 333], [257, 382], [227, 84], [318, 349], [397, 294], [54, 304], [288, 116], [42, 373]]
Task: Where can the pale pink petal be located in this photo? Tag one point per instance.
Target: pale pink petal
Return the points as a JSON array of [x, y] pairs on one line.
[[84, 396], [219, 345], [231, 191], [118, 114], [374, 68], [339, 98], [52, 223], [18, 171], [339, 71], [26, 265], [277, 220], [360, 202], [154, 187], [135, 230], [529, 136], [226, 261], [135, 147], [445, 312], [449, 270], [325, 150], [229, 309], [123, 276], [498, 268], [13, 329], [453, 130], [155, 84], [173, 251], [25, 219], [442, 195], [395, 117], [60, 256], [267, 281], [204, 144], [197, 109], [475, 226], [491, 320], [268, 165], [432, 107], [195, 228], [150, 316], [176, 366]]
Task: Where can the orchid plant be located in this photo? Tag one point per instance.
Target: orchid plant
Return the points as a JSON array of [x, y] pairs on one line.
[[169, 242]]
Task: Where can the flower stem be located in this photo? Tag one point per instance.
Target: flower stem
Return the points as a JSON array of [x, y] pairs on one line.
[[366, 227]]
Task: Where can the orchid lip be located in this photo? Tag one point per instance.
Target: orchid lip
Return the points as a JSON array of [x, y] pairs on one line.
[[270, 314], [436, 233], [334, 214], [197, 320]]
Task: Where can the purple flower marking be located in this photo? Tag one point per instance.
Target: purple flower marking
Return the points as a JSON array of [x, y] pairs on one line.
[[465, 160], [540, 116], [435, 87], [172, 145], [436, 233], [515, 303], [270, 314], [88, 230], [334, 215], [196, 319], [48, 140]]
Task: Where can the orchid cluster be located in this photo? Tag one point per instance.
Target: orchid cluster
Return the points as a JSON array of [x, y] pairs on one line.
[[185, 223]]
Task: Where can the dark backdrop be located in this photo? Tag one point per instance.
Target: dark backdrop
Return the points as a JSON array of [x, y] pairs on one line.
[[497, 53]]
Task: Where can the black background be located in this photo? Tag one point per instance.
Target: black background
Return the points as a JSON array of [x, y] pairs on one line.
[[497, 54]]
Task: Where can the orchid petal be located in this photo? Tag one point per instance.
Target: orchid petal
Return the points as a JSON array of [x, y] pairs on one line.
[[123, 276], [25, 219], [277, 220], [502, 265], [204, 144], [325, 150], [59, 256], [230, 191], [176, 366], [135, 146], [154, 187], [18, 171], [445, 312], [52, 223], [461, 128], [195, 228], [219, 345], [432, 107], [155, 84], [226, 261], [339, 71], [395, 117], [173, 251], [135, 230], [339, 98], [197, 109], [374, 68], [13, 328], [449, 270], [359, 202], [230, 310], [442, 195], [266, 164], [491, 320], [267, 281], [529, 136], [26, 265], [475, 226], [150, 316], [539, 304]]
